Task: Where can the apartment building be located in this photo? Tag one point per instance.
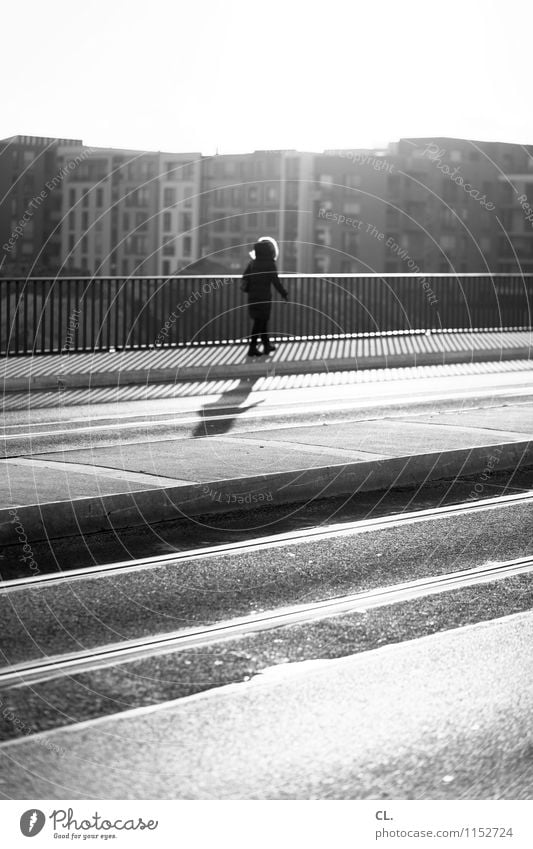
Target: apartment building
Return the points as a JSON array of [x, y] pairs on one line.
[[31, 198], [245, 196], [127, 212], [179, 211], [428, 204], [453, 205], [72, 209]]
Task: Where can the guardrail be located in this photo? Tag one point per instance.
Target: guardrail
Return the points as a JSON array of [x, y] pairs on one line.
[[39, 315]]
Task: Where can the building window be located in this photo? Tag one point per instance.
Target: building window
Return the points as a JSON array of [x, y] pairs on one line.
[[235, 225], [85, 245], [186, 246], [126, 222], [349, 242], [125, 267], [352, 208], [139, 197], [393, 185], [168, 248], [186, 221], [169, 196], [447, 243], [85, 201], [352, 181], [252, 193], [138, 244], [220, 225], [271, 193], [271, 220], [166, 266], [72, 197], [167, 221], [85, 220], [99, 197], [252, 219], [141, 222], [71, 241], [235, 197], [321, 264]]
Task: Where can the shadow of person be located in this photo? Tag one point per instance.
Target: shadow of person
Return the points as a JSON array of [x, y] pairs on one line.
[[218, 417]]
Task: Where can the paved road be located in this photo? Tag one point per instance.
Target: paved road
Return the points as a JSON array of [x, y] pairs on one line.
[[95, 610], [91, 611], [58, 462], [446, 716], [51, 422]]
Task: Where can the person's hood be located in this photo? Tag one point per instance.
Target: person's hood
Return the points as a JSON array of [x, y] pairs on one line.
[[265, 248]]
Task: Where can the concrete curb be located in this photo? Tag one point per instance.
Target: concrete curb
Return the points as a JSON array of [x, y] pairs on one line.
[[265, 368], [146, 507]]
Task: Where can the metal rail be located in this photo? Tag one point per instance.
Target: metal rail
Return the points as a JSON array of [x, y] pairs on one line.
[[66, 315], [274, 541], [77, 662]]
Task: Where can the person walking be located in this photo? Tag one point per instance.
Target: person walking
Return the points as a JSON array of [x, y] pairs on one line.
[[259, 276]]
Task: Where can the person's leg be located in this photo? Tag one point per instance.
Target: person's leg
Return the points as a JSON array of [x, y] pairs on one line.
[[254, 338], [268, 347]]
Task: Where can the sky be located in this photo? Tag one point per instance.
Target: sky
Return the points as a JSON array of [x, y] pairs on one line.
[[236, 76]]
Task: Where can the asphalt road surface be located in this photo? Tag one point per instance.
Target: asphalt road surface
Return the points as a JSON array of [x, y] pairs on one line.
[[446, 716]]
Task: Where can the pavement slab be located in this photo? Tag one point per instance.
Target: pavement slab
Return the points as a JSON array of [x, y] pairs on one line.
[[442, 717], [207, 459], [30, 485], [510, 418], [92, 489], [394, 437]]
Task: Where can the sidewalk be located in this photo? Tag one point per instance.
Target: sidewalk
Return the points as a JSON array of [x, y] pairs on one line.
[[121, 368], [89, 490]]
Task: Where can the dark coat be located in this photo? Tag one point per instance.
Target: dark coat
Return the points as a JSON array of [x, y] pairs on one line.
[[259, 276]]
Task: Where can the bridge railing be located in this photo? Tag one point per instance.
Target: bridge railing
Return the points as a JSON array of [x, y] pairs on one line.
[[39, 315]]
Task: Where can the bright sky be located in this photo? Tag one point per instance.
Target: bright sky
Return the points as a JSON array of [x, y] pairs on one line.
[[193, 76]]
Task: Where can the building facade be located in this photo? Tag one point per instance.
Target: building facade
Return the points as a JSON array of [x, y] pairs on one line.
[[424, 204]]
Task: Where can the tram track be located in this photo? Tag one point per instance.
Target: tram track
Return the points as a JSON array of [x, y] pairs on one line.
[[269, 542], [108, 655]]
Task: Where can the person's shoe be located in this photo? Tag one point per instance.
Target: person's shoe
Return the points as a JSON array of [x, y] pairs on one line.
[[270, 348], [253, 352]]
